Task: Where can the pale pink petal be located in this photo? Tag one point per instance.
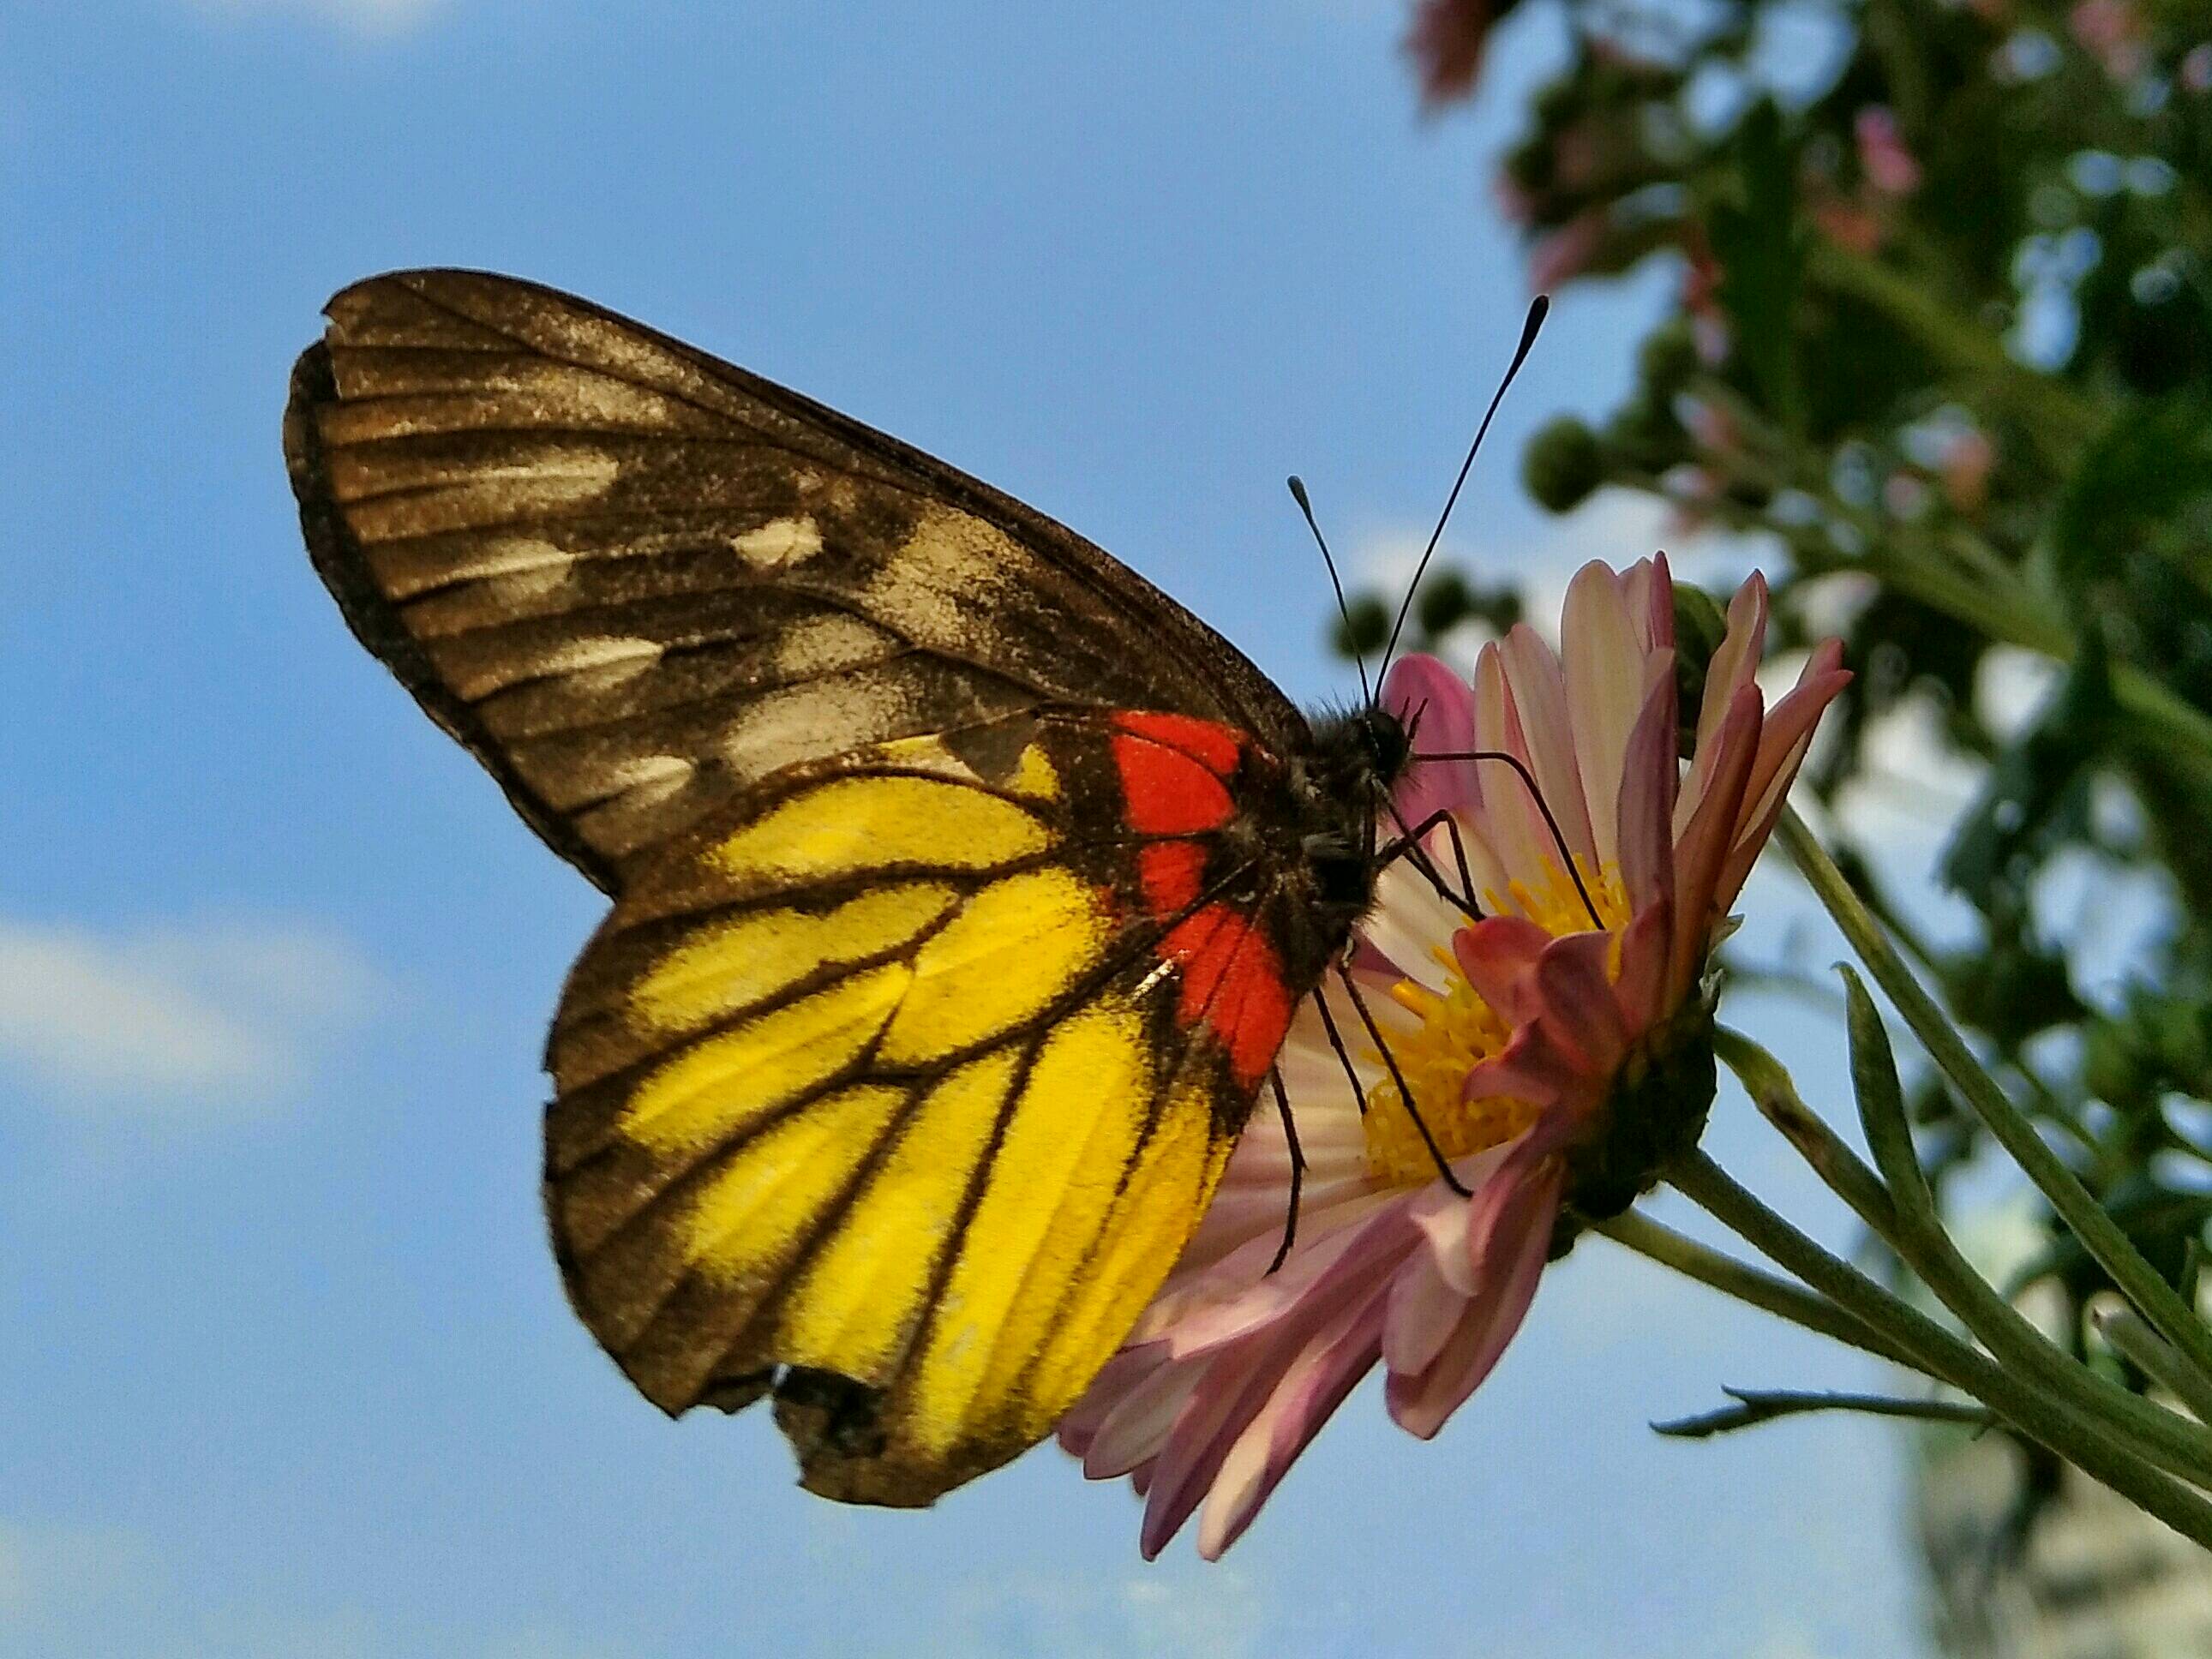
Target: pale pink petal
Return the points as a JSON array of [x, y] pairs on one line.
[[1437, 706], [1604, 666], [1423, 1306], [1410, 923], [1235, 1387], [1126, 1371], [1705, 844], [1730, 671], [1363, 1250], [1513, 1262], [1135, 1429], [1539, 694], [1508, 815], [1315, 1385], [1443, 1216], [1646, 810], [1466, 859]]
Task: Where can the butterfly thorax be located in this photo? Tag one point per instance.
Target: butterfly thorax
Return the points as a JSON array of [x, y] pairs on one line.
[[1340, 791]]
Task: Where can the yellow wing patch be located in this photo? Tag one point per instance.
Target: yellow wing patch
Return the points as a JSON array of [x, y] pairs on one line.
[[858, 826], [870, 1095]]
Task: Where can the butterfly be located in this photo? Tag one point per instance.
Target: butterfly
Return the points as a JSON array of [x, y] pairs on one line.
[[963, 884]]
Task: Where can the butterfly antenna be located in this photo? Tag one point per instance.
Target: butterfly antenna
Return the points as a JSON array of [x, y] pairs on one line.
[[1299, 494], [1537, 309]]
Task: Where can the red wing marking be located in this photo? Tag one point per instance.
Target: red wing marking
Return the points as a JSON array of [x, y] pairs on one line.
[[1232, 979], [1165, 791], [1215, 747], [1174, 771], [1171, 872]]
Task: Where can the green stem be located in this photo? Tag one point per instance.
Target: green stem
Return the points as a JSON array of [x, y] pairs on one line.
[[2121, 1327], [1757, 1406], [2087, 1443], [2060, 420], [1910, 1221], [1724, 1274], [2098, 1233]]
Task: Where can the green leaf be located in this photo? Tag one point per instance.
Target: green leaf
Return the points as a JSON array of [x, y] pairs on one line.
[[1757, 245], [2146, 476]]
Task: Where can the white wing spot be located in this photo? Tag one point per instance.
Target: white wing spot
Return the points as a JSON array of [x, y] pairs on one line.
[[613, 652], [780, 542], [825, 644], [648, 778]]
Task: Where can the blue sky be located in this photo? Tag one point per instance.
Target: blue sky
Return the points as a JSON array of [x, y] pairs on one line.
[[284, 1365]]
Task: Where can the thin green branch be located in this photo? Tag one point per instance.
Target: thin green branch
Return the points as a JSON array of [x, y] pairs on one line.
[[2099, 1234], [1748, 1284], [1757, 1406], [2094, 1446], [2125, 1328], [1920, 1237]]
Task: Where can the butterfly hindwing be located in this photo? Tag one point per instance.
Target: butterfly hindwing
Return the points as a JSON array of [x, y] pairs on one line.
[[634, 580], [898, 1088]]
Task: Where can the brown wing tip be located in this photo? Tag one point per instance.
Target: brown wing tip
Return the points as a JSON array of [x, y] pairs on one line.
[[835, 1427]]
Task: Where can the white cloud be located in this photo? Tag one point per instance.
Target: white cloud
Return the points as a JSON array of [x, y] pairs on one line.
[[69, 1589], [1619, 526], [366, 17], [174, 1020], [1215, 1612]]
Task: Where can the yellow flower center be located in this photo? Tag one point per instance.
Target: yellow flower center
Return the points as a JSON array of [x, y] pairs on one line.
[[1459, 1030]]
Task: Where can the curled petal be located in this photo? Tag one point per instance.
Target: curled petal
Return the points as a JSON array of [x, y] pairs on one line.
[[1499, 955], [1579, 1004]]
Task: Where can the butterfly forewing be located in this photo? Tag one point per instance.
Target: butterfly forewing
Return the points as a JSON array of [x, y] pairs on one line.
[[633, 580]]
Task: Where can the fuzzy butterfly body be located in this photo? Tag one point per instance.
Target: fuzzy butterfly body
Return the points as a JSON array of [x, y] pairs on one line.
[[964, 883]]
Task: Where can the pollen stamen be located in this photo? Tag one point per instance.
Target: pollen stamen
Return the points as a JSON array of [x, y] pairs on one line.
[[1459, 1031]]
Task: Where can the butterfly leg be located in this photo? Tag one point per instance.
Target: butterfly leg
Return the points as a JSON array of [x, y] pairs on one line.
[[1343, 1055], [1408, 845], [1558, 836], [1398, 1078], [1297, 1169]]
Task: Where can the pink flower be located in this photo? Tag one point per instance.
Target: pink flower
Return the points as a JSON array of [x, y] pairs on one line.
[[2112, 32], [1555, 1048], [1888, 165], [1446, 43], [1566, 252], [1967, 459]]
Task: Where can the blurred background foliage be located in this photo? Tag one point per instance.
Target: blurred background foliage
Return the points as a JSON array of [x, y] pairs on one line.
[[1942, 339]]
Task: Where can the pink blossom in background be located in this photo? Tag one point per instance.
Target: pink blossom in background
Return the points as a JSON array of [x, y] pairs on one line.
[[1888, 165], [1446, 43]]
